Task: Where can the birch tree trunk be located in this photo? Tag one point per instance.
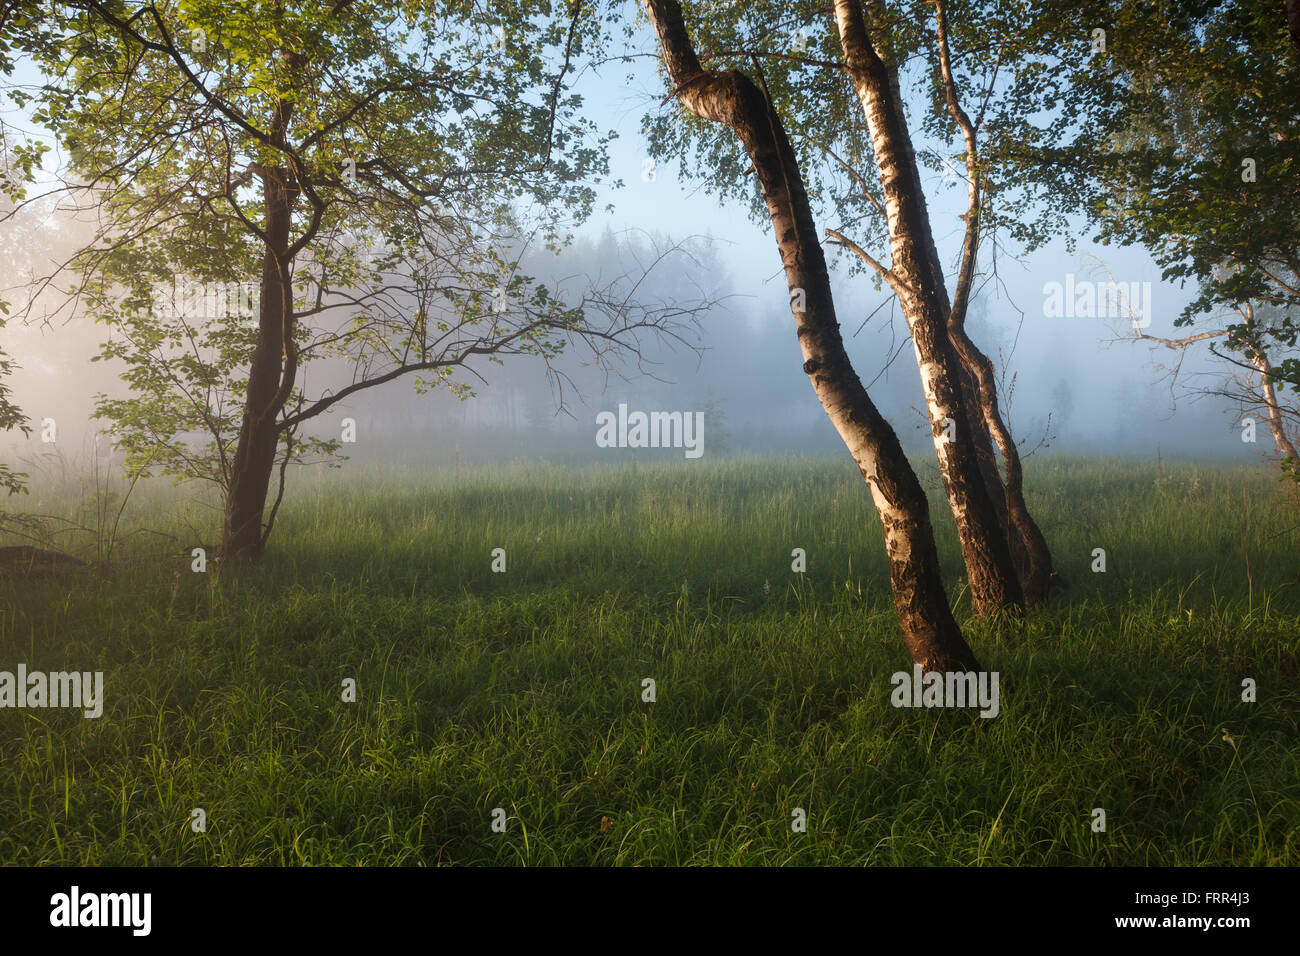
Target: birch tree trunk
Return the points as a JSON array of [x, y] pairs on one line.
[[1276, 423], [976, 414], [1030, 553], [924, 301], [732, 98]]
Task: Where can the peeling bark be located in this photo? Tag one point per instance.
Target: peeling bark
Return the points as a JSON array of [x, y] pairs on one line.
[[1276, 423], [924, 301], [732, 98], [1032, 557]]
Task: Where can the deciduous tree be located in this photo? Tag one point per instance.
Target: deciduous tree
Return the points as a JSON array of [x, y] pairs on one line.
[[1174, 126], [374, 170], [737, 102], [834, 76]]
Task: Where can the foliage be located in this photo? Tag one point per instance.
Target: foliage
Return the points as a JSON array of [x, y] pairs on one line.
[[11, 417], [1181, 136], [795, 49], [427, 147]]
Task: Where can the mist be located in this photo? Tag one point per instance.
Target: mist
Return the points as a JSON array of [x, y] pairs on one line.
[[1070, 385]]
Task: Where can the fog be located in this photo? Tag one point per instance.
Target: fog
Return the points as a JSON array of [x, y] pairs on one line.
[[744, 374], [1071, 383]]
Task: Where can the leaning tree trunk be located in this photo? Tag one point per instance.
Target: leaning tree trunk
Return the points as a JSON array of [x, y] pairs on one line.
[[1276, 423], [923, 299], [988, 464], [1029, 548], [732, 98], [269, 378], [1036, 566], [978, 430], [976, 422]]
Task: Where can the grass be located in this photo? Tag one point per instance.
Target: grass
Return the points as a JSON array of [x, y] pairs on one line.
[[523, 690]]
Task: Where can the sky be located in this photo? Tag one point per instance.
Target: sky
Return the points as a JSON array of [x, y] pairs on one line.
[[1116, 385], [1104, 395]]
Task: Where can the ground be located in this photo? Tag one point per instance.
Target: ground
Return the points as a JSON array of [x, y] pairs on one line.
[[522, 690]]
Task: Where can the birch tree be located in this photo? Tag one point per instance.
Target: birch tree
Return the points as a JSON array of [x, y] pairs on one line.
[[739, 103], [834, 73]]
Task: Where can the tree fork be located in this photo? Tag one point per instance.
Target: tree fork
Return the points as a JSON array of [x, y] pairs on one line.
[[732, 98], [993, 580]]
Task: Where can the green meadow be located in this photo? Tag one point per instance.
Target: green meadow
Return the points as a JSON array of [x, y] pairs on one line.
[[523, 690]]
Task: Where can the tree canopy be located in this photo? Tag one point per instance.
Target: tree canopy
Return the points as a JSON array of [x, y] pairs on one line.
[[363, 178]]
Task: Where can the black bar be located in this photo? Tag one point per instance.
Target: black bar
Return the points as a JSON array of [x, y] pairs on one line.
[[334, 906]]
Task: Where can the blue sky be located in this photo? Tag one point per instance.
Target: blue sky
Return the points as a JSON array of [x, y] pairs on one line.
[[1115, 380], [1113, 384]]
